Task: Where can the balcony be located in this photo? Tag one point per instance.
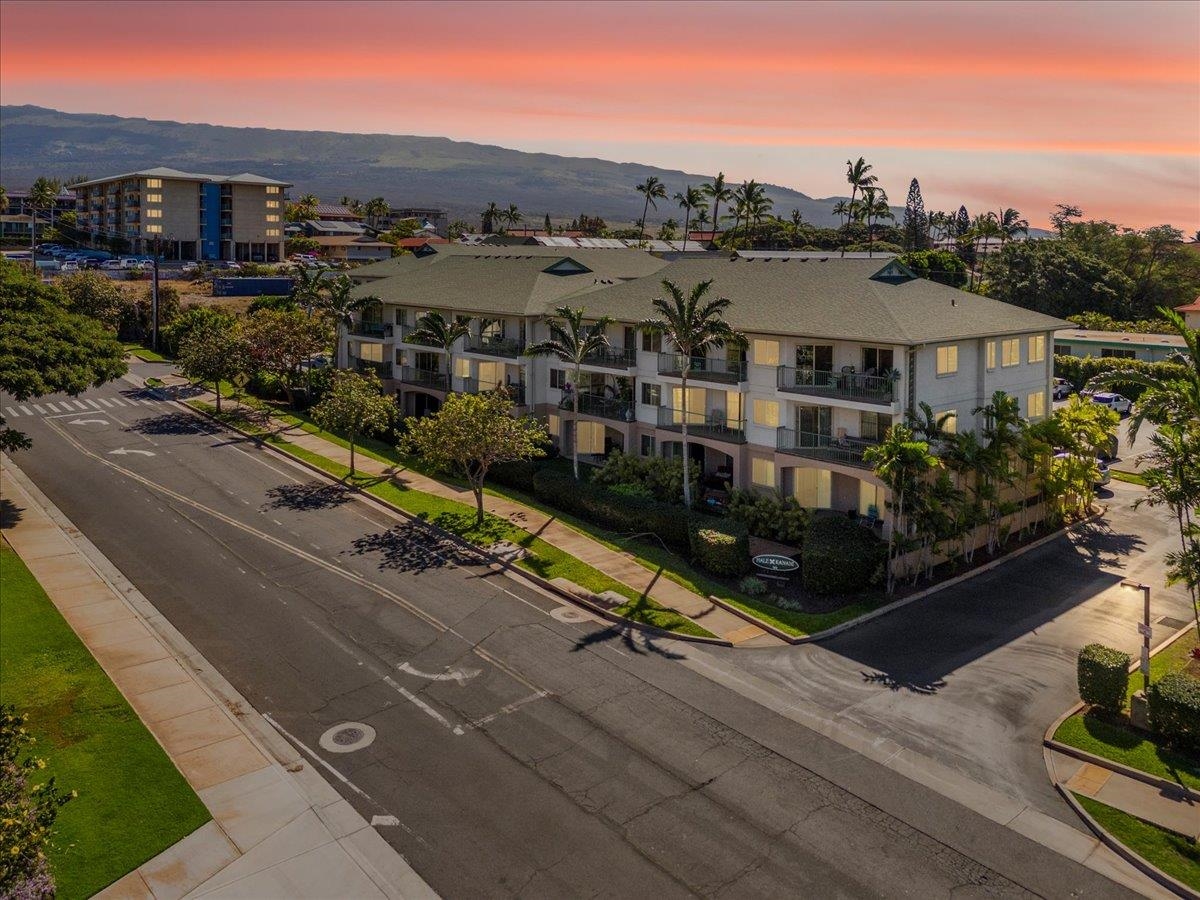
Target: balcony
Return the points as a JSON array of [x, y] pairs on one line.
[[837, 385], [406, 332], [515, 391], [601, 407], [612, 358], [701, 368], [847, 451], [371, 329], [382, 369], [425, 378], [704, 425], [496, 346]]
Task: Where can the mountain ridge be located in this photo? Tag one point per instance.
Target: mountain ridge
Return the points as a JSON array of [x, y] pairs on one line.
[[409, 170]]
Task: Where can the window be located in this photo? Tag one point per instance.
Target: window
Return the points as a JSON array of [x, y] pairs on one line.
[[1062, 349], [991, 355], [947, 359], [651, 394], [1035, 405], [733, 408], [766, 353], [153, 229], [950, 426], [651, 343], [272, 217], [872, 426], [877, 360], [154, 198], [272, 232], [153, 182], [766, 412], [154, 214], [814, 356], [762, 471], [272, 189], [401, 316], [462, 367], [1010, 352], [272, 204], [558, 379], [1118, 353], [630, 337], [1037, 348], [370, 352]]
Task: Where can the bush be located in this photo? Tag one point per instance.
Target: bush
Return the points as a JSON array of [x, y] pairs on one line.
[[639, 491], [662, 478], [517, 474], [1175, 710], [773, 516], [722, 548], [1103, 675], [1079, 371], [840, 556], [752, 587]]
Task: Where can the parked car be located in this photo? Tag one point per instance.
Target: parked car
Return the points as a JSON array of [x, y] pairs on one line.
[[1062, 389], [111, 265], [190, 266], [1115, 402], [69, 266], [48, 248]]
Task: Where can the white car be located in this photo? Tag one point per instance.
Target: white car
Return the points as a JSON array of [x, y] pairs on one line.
[[111, 264], [1062, 389], [1115, 402], [69, 266], [190, 267]]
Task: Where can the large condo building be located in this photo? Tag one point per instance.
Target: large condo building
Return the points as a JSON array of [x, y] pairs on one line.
[[837, 351], [185, 215]]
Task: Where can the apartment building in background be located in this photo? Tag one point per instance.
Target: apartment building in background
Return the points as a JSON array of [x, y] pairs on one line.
[[185, 215], [838, 350]]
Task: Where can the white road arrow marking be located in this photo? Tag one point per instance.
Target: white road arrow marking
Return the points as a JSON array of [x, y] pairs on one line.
[[462, 676], [121, 451], [88, 422], [384, 820]]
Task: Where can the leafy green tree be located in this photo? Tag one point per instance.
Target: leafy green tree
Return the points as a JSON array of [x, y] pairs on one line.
[[1058, 279], [916, 223], [436, 330], [457, 229], [572, 342], [942, 266], [1062, 216], [719, 192], [547, 226], [191, 318], [280, 342], [901, 462], [213, 354], [46, 349], [652, 189], [471, 434], [92, 294], [353, 406], [694, 324], [375, 209], [491, 216], [302, 209], [298, 243]]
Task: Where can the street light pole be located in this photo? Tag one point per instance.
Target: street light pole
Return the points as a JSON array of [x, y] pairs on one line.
[[154, 301], [1138, 709]]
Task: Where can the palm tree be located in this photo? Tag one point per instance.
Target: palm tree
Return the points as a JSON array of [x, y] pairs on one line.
[[43, 195], [436, 330], [306, 287], [719, 192], [375, 209], [572, 342], [900, 461], [512, 215], [702, 219], [797, 218], [693, 324], [927, 425], [1011, 224], [689, 199], [652, 189], [857, 174], [983, 229], [1002, 429], [489, 217], [335, 303], [3, 199], [842, 208], [874, 207]]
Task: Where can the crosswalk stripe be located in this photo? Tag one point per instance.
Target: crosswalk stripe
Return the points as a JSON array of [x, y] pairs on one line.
[[95, 405], [25, 409], [41, 412], [80, 405], [118, 401], [106, 402], [146, 402], [53, 408], [10, 413]]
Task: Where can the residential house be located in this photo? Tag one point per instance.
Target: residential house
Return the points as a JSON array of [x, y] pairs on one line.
[[1190, 313], [1117, 344], [352, 248]]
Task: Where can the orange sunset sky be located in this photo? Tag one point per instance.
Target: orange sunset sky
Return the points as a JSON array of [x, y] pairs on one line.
[[1013, 104]]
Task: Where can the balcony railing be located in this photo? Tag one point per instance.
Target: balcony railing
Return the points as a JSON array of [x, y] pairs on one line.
[[496, 346], [700, 424], [702, 368], [612, 358], [382, 369], [515, 390], [602, 407], [370, 329], [423, 377], [406, 332], [840, 385], [846, 450]]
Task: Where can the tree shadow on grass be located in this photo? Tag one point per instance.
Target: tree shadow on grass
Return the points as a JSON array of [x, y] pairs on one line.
[[411, 548], [312, 495]]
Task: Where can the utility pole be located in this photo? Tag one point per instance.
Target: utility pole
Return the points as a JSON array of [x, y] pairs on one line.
[[154, 301]]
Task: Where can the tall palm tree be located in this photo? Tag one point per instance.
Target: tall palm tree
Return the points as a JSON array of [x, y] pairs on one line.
[[512, 215], [900, 461], [926, 424], [859, 177], [693, 324], [689, 200], [43, 195], [489, 217], [374, 209], [983, 228], [719, 192], [333, 301], [652, 189], [306, 287], [1011, 224], [572, 342], [435, 330], [1002, 428], [702, 220], [842, 208], [874, 207]]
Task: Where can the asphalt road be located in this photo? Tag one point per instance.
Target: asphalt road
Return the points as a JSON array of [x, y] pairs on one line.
[[524, 749]]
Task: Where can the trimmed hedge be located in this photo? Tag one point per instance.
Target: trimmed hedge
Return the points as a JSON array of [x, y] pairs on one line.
[[720, 547], [1079, 371], [1103, 675], [595, 503], [1175, 710], [773, 516], [840, 557]]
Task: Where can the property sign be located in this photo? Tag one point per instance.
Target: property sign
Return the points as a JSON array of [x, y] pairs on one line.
[[775, 562], [1145, 630], [1145, 666], [241, 379]]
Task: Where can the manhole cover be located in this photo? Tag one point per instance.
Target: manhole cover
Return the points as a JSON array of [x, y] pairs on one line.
[[570, 614], [348, 737]]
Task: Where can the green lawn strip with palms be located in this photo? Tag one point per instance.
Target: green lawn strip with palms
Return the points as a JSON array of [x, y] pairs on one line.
[[1127, 477], [1173, 853], [544, 559], [1113, 738], [145, 354], [132, 802]]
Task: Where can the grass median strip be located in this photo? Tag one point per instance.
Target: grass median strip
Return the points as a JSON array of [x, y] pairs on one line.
[[1127, 477], [145, 354], [1173, 853], [544, 559], [132, 802]]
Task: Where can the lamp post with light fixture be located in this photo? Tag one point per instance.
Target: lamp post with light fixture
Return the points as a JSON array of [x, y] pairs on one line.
[[1138, 704]]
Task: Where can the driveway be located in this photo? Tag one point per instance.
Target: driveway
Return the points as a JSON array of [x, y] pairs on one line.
[[974, 675]]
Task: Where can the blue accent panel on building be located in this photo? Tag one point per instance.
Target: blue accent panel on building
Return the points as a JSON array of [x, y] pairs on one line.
[[210, 222], [252, 287]]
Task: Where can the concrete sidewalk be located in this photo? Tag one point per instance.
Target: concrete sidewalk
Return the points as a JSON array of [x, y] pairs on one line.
[[615, 564], [278, 828]]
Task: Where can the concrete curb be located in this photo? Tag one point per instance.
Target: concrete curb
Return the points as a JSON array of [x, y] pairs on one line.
[[912, 598], [493, 561], [1166, 787], [1150, 871]]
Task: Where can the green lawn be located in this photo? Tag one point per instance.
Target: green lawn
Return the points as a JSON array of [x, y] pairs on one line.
[[145, 354], [1128, 477], [1174, 854], [132, 802], [545, 559], [1114, 739]]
